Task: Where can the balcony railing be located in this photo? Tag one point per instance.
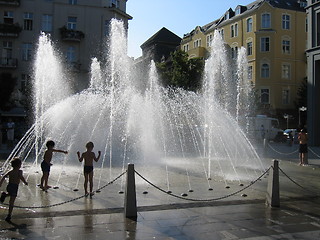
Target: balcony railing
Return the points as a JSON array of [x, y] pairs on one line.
[[8, 62], [71, 35], [12, 3], [10, 30]]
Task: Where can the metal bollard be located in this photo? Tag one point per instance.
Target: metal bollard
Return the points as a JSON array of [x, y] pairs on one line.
[[273, 190], [130, 201]]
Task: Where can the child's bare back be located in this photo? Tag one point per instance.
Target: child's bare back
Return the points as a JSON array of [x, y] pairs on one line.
[[15, 176]]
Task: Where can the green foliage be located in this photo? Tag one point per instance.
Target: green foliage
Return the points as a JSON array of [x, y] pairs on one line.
[[302, 94], [7, 84], [182, 72]]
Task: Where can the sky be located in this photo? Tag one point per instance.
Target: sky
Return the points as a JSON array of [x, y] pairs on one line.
[[178, 16]]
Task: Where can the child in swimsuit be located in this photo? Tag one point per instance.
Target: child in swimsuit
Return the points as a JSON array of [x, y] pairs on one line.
[[15, 175], [46, 164], [88, 157]]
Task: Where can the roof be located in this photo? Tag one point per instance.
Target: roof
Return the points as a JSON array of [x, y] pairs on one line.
[[294, 5], [162, 36]]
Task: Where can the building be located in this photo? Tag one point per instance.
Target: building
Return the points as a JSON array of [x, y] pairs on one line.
[[157, 48], [160, 45], [313, 53], [78, 28], [275, 36]]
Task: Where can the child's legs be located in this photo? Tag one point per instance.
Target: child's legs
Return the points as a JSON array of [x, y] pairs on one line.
[[86, 178], [44, 179], [91, 181], [11, 203]]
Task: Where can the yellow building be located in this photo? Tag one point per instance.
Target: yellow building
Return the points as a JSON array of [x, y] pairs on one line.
[[275, 35]]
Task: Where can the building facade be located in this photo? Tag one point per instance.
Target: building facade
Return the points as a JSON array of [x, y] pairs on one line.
[[78, 29], [274, 34], [313, 53]]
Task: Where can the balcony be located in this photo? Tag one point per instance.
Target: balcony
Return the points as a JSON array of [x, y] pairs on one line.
[[8, 62], [71, 35], [11, 3], [9, 30]]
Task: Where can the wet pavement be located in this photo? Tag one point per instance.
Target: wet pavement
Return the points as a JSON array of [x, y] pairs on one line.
[[243, 215]]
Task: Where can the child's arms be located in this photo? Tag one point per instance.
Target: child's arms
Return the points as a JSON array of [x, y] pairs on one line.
[[80, 158], [22, 178], [97, 158], [2, 179], [61, 151]]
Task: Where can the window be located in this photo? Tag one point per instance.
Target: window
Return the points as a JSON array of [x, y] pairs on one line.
[[285, 96], [25, 81], [286, 21], [71, 54], [286, 70], [186, 47], [249, 48], [28, 21], [114, 3], [8, 17], [222, 33], [265, 70], [265, 44], [197, 43], [236, 30], [209, 40], [46, 24], [264, 95], [238, 10], [234, 52], [249, 25], [266, 20], [73, 2], [250, 72], [286, 46], [72, 23], [26, 51], [6, 58]]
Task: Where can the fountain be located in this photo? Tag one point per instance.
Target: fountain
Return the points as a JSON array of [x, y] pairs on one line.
[[157, 126]]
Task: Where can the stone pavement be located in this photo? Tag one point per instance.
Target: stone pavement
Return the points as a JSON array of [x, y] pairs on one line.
[[161, 216]]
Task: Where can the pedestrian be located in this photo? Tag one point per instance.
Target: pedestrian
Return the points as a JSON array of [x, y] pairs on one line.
[[88, 158], [303, 147], [262, 132], [46, 164], [10, 133], [15, 175]]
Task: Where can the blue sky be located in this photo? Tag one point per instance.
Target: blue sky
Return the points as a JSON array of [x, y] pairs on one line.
[[179, 16]]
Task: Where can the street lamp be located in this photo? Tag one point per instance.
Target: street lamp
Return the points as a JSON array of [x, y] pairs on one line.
[[301, 109]]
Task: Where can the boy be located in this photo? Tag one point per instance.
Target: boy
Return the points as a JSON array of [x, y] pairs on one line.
[[15, 175], [46, 164], [88, 157]]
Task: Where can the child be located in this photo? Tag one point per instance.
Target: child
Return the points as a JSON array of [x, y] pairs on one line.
[[88, 157], [46, 164], [15, 175]]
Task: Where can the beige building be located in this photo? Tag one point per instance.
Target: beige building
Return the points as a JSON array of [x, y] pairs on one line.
[[78, 29], [275, 35]]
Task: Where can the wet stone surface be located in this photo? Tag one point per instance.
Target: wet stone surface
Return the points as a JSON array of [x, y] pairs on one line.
[[161, 216]]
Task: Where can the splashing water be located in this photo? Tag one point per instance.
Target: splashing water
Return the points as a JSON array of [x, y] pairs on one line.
[[155, 126]]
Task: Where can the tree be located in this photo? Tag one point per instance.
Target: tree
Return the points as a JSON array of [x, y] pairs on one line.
[[182, 72], [7, 84], [302, 94]]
